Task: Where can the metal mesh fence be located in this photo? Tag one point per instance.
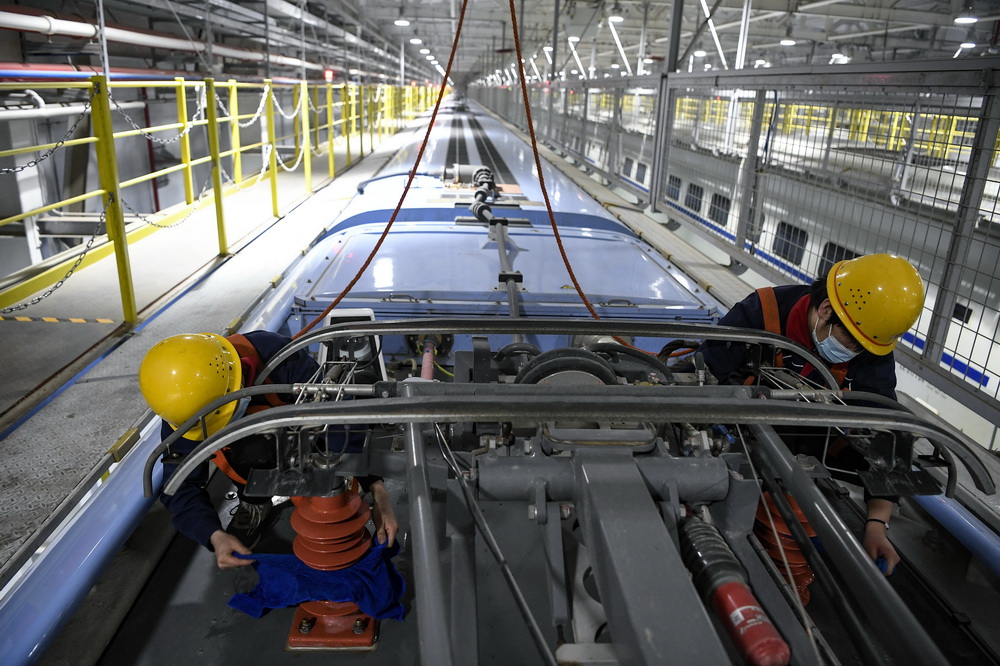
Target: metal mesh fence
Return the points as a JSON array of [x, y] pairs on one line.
[[791, 173]]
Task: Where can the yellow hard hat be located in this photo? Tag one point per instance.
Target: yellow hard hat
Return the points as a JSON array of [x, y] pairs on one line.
[[878, 298], [181, 374]]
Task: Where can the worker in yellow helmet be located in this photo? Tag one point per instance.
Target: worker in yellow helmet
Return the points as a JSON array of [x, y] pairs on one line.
[[852, 317], [182, 374]]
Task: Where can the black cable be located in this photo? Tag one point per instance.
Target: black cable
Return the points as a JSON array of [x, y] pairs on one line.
[[652, 361], [484, 529]]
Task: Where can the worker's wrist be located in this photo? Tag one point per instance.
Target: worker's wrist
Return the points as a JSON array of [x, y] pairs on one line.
[[877, 521]]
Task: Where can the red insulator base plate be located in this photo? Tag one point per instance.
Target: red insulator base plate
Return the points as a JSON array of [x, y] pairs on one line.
[[330, 626]]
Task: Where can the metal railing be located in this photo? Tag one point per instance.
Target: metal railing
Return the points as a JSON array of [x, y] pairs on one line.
[[788, 171], [207, 142]]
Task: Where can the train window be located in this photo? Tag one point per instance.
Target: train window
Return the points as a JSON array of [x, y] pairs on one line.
[[673, 187], [718, 210], [640, 172], [832, 253], [790, 243], [627, 170], [962, 313], [694, 196]]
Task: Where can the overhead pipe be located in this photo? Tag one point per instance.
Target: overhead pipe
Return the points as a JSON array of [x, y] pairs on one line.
[[46, 25]]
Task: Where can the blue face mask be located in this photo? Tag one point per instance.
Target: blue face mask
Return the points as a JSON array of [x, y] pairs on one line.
[[832, 349]]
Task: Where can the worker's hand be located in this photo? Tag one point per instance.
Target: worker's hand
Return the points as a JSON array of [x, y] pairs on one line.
[[876, 544], [224, 544], [383, 515]]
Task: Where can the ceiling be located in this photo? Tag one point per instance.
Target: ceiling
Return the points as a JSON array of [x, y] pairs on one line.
[[359, 40]]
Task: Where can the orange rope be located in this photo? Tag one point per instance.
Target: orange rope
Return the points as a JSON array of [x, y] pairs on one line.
[[409, 181], [541, 179]]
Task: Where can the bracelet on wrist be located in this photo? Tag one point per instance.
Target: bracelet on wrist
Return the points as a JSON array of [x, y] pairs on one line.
[[878, 520]]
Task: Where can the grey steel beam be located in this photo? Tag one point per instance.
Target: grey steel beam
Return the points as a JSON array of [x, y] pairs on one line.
[[653, 610], [461, 533], [432, 613], [512, 478], [889, 617]]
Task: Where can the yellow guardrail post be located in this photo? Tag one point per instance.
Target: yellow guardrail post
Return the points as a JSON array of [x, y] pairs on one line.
[[213, 149], [107, 172], [345, 122], [182, 117], [234, 130], [362, 117], [316, 117], [330, 127], [296, 126], [273, 153], [306, 147], [372, 101]]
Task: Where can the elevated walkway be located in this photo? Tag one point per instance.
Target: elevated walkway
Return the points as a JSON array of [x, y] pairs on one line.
[[70, 390]]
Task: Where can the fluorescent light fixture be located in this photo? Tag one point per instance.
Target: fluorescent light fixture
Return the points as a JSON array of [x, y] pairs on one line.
[[547, 49], [699, 54], [424, 51], [648, 61], [573, 39], [966, 16], [968, 45], [429, 57], [787, 41], [401, 22], [615, 65], [416, 40]]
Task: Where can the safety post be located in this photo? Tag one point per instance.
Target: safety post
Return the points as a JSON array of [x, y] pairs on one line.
[[306, 142], [362, 116], [213, 149], [182, 117], [297, 125], [273, 154], [344, 122], [330, 129], [372, 101], [107, 172], [314, 106], [234, 130]]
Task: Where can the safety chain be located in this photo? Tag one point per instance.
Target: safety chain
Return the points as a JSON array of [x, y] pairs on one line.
[[198, 115], [314, 108], [260, 176], [298, 107], [295, 166], [31, 164], [193, 204], [256, 116], [76, 264]]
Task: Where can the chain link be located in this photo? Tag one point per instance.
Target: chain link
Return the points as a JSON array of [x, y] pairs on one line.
[[295, 166], [256, 116], [31, 164], [298, 107], [260, 176], [193, 205], [48, 292], [198, 115], [314, 108]]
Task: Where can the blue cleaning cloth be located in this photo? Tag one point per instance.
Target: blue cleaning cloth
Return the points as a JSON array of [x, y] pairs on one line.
[[373, 583]]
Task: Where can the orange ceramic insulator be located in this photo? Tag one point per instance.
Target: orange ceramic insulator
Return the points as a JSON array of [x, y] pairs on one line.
[[331, 532]]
